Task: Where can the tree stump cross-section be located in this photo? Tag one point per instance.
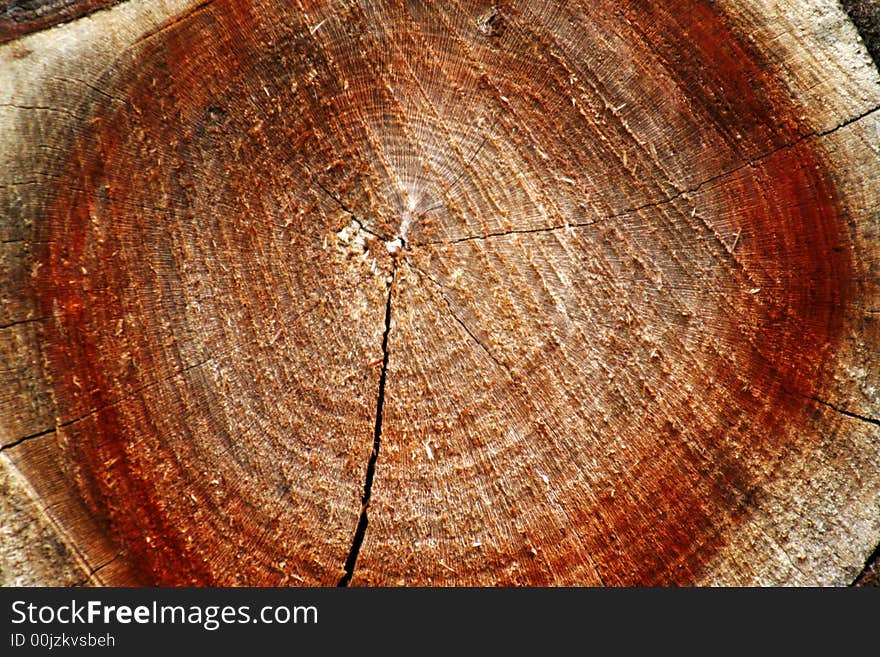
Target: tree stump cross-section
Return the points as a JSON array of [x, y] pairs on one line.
[[429, 293]]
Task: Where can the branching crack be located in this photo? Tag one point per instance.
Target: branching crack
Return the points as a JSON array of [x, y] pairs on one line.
[[361, 530]]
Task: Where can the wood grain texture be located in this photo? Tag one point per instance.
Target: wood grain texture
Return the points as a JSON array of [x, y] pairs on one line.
[[427, 293]]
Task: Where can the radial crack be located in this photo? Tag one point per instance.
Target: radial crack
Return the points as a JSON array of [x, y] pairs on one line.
[[843, 411], [24, 439], [18, 322], [679, 194], [458, 320], [349, 212], [361, 530], [523, 231]]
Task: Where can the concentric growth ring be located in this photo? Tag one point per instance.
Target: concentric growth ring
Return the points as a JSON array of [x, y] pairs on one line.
[[612, 265]]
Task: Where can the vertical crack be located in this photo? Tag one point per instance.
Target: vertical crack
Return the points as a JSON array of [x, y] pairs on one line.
[[361, 530]]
